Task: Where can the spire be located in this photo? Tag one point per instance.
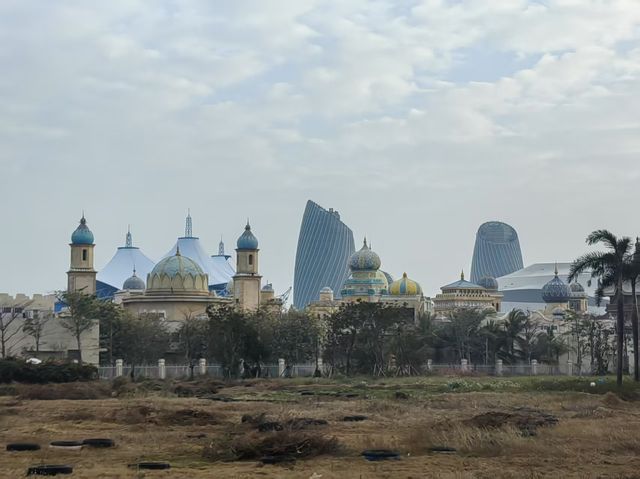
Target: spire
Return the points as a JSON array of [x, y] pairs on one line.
[[177, 250], [128, 241], [556, 269], [221, 247], [83, 220], [365, 242], [462, 275], [188, 227]]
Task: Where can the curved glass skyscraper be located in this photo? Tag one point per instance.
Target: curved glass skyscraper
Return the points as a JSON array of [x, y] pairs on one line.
[[325, 245], [497, 251]]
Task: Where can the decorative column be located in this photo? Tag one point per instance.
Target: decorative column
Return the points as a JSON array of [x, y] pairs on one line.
[[463, 365], [534, 367], [499, 367], [119, 366], [569, 368], [429, 365], [202, 366], [280, 367], [162, 370]]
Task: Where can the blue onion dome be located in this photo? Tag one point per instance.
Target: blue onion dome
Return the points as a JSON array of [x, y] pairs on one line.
[[488, 282], [82, 234], [405, 286], [267, 288], [556, 291], [365, 259], [177, 274], [247, 239], [134, 283], [327, 290]]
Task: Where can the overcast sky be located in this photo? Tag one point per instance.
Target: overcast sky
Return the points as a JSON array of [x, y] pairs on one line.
[[416, 120]]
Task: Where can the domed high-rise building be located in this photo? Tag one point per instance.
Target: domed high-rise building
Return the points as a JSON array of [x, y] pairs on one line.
[[496, 252]]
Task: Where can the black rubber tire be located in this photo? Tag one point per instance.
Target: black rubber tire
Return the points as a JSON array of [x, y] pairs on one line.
[[49, 470], [446, 449], [276, 459], [380, 454], [151, 465], [23, 446], [66, 443], [355, 418], [99, 442]]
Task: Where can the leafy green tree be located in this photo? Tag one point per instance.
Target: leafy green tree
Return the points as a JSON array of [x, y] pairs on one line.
[[632, 275], [141, 340], [513, 328], [109, 315], [193, 339], [611, 268], [294, 338], [578, 332], [80, 315]]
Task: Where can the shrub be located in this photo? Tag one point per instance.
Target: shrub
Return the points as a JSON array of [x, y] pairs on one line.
[[12, 370]]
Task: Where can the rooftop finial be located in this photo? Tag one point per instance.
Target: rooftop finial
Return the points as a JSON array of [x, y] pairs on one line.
[[221, 247], [83, 220], [128, 241], [556, 269], [462, 275], [188, 227], [177, 250], [365, 242]]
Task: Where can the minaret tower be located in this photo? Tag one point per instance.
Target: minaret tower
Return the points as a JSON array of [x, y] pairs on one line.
[[81, 275], [246, 282]]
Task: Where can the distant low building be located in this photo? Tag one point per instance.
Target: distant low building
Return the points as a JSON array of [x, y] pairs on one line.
[[463, 294]]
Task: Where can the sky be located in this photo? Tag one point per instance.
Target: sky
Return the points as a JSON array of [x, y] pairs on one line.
[[417, 120]]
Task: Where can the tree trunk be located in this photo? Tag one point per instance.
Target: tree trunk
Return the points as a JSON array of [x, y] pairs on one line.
[[634, 326], [79, 348], [620, 332]]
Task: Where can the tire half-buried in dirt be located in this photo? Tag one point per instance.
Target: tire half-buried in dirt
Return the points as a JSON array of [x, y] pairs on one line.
[[66, 445], [23, 446], [99, 442], [49, 470], [151, 465]]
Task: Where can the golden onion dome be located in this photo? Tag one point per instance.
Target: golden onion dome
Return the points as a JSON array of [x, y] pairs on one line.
[[405, 287]]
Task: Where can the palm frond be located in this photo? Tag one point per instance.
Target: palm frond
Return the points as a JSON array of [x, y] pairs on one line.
[[605, 237]]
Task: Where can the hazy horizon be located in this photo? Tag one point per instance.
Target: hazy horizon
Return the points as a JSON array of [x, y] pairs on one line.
[[416, 120]]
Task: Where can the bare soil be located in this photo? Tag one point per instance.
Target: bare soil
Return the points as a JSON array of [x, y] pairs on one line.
[[575, 434]]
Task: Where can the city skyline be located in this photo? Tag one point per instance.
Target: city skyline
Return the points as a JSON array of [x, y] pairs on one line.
[[416, 129]]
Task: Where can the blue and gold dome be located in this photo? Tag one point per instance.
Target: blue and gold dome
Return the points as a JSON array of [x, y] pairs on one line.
[[365, 259], [405, 287], [247, 240], [556, 290], [82, 234], [177, 274], [488, 282]]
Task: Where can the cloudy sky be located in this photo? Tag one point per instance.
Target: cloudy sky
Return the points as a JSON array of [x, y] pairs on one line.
[[417, 119]]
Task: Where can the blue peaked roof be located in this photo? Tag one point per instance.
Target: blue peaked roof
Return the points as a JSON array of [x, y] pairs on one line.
[[461, 284]]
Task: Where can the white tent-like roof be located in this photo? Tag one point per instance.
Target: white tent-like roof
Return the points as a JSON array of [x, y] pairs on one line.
[[121, 266]]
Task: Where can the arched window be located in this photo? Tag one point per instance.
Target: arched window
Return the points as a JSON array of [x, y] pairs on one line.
[[250, 260], [84, 255]]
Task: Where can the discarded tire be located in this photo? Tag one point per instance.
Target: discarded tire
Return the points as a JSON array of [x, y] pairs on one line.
[[49, 470], [66, 445], [23, 446], [355, 418], [380, 454], [151, 465], [276, 459], [444, 449], [99, 442]]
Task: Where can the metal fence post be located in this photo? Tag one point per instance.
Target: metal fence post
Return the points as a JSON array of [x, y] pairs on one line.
[[202, 366], [162, 369], [534, 367], [429, 364], [569, 368], [280, 367], [499, 367], [119, 367]]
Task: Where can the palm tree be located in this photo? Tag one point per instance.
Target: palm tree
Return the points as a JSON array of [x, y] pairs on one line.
[[632, 276], [611, 267], [513, 326]]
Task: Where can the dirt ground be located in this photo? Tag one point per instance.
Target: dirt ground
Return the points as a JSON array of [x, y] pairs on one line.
[[596, 435]]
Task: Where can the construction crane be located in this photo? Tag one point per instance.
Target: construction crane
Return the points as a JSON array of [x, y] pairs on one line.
[[284, 297]]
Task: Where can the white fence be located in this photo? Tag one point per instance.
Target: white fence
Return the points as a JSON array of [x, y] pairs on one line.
[[162, 371]]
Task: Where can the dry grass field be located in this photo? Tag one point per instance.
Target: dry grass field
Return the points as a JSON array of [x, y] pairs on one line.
[[597, 433]]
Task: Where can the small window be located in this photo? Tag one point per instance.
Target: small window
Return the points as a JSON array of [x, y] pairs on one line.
[[250, 259], [84, 255]]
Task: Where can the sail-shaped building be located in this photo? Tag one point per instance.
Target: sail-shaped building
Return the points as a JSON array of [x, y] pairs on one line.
[[496, 252], [325, 245]]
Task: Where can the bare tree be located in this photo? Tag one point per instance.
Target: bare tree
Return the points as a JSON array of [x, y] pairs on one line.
[[193, 338], [8, 316], [35, 325]]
